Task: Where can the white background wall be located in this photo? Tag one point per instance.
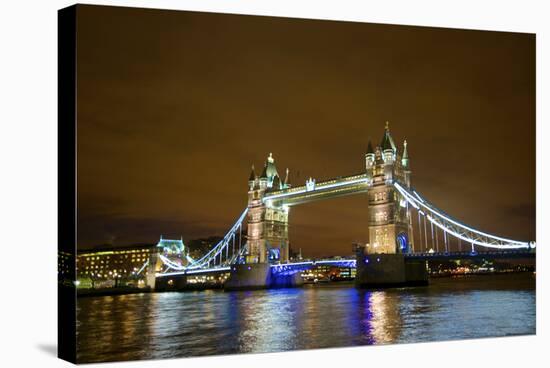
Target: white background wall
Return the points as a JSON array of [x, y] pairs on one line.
[[28, 181]]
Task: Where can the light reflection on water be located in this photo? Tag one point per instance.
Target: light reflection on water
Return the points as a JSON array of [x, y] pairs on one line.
[[167, 325]]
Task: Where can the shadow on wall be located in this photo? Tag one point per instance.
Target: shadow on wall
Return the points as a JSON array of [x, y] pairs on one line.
[[50, 349]]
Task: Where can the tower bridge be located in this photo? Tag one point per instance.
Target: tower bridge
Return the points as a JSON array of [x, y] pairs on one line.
[[397, 215]]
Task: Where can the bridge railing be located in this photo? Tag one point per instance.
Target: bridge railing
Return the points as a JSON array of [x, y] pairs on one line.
[[319, 186]]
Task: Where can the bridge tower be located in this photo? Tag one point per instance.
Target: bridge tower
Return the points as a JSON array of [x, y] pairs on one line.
[[390, 226], [382, 263], [267, 222]]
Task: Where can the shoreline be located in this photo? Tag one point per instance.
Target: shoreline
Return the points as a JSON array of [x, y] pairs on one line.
[[84, 293]]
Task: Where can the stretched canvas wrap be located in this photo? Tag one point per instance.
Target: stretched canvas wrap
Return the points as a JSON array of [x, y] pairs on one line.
[[236, 184]]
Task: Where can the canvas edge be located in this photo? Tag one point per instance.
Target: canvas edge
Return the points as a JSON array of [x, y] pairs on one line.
[[66, 176]]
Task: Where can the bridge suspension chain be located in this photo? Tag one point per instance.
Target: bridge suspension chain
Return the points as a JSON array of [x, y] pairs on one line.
[[215, 257], [454, 228]]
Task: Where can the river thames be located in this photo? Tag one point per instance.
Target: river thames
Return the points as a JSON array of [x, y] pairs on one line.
[[181, 324]]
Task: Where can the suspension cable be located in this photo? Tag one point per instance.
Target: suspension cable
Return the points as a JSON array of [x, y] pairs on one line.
[[455, 228]]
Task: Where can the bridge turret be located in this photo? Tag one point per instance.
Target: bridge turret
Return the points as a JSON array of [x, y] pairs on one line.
[[369, 161], [405, 158], [387, 145], [271, 172], [406, 165], [263, 178], [252, 179], [276, 184], [369, 156], [286, 183], [255, 219]]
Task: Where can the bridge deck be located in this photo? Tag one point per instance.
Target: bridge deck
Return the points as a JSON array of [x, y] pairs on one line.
[[325, 189], [473, 255], [351, 263]]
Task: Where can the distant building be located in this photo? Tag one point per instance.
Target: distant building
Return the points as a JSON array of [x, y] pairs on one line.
[[110, 266], [329, 272], [126, 266]]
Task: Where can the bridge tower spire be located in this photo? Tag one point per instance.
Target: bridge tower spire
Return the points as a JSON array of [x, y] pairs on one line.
[[406, 165], [387, 145], [369, 158], [263, 178], [286, 183], [405, 158], [252, 178]]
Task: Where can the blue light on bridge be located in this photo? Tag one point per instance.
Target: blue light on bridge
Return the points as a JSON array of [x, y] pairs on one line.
[[286, 269], [274, 254], [403, 242]]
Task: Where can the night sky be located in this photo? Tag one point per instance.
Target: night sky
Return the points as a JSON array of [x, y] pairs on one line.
[[174, 107]]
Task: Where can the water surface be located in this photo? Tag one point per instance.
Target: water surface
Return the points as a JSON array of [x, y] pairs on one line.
[[180, 324]]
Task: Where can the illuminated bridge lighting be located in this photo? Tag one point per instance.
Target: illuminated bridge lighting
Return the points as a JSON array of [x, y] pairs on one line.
[[318, 188], [214, 252], [171, 264], [456, 228], [195, 272], [276, 201], [212, 260], [143, 267], [294, 267]]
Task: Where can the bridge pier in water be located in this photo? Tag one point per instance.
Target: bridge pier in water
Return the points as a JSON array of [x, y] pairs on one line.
[[259, 276], [389, 270]]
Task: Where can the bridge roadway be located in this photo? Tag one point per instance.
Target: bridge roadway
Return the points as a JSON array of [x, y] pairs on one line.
[[277, 268], [494, 254], [292, 267]]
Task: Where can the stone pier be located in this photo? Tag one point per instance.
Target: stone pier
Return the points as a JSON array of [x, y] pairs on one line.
[[389, 270], [259, 276]]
